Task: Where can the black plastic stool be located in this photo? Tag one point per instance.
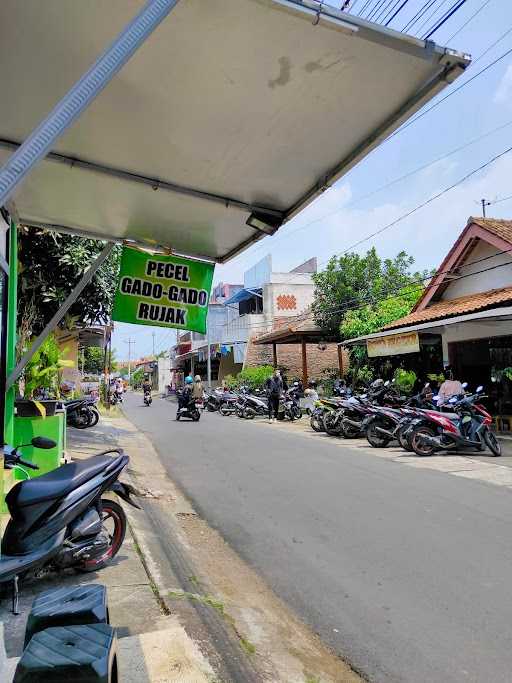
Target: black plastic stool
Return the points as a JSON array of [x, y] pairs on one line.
[[73, 605], [70, 653]]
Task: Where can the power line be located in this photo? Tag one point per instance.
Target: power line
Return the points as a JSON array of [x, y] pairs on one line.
[[487, 50], [416, 17], [452, 92], [467, 22], [397, 12], [432, 14], [503, 199], [449, 13], [387, 185]]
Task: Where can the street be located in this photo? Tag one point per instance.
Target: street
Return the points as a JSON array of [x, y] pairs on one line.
[[402, 571]]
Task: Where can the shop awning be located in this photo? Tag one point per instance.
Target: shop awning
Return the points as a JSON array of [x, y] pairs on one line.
[[299, 329], [231, 118], [244, 295], [498, 315]]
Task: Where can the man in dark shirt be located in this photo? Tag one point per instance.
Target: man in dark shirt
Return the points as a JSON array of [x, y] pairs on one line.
[[274, 388]]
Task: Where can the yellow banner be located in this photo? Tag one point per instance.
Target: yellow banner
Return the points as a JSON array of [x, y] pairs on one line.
[[393, 345]]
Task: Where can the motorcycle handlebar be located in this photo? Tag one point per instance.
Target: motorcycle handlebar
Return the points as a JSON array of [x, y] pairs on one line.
[[26, 463]]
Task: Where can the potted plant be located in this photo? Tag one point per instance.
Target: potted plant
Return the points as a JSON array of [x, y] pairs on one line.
[[42, 380]]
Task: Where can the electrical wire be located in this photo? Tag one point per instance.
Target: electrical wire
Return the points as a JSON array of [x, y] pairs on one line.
[[447, 42], [428, 19], [363, 8], [416, 17], [502, 199], [385, 9], [449, 14], [385, 186], [450, 94], [397, 12], [356, 303], [487, 50], [397, 2], [378, 6]]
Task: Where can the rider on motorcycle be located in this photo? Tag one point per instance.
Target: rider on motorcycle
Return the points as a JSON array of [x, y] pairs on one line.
[[146, 385], [186, 394]]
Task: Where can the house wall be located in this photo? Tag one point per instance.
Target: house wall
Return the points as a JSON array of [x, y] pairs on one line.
[[286, 299], [482, 281]]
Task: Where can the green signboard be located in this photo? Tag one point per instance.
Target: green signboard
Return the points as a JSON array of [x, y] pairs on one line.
[[168, 291]]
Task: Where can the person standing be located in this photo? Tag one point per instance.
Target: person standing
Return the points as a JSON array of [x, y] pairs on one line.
[[274, 386], [198, 389], [449, 388]]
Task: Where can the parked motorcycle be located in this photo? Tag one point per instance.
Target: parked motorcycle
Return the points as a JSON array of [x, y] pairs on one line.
[[323, 407], [81, 413], [251, 406], [289, 405], [467, 427], [60, 520]]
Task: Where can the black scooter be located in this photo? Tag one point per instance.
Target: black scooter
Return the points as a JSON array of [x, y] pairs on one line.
[[190, 410], [60, 519], [81, 413], [148, 400]]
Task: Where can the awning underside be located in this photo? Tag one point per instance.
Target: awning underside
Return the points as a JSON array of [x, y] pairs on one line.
[[231, 107]]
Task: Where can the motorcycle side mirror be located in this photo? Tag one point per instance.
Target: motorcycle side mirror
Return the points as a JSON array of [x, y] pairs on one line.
[[427, 385], [43, 442], [464, 385], [453, 399], [479, 389]]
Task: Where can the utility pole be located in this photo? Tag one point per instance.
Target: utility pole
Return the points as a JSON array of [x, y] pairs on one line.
[[208, 356], [484, 203], [129, 341]]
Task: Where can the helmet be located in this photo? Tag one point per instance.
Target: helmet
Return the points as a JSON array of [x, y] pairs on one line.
[[189, 380], [377, 384], [197, 378]]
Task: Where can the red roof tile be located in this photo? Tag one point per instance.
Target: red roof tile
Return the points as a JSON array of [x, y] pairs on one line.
[[452, 307], [499, 227]]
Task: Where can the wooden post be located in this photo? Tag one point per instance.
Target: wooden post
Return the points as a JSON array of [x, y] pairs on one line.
[[304, 365], [340, 360], [274, 353]]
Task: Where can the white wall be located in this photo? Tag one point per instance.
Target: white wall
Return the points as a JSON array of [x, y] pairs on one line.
[[303, 294], [482, 281]]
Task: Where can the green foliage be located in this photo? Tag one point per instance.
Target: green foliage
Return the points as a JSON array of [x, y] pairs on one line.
[[50, 264], [373, 317], [231, 381], [42, 372], [351, 280], [137, 377], [433, 377], [405, 380], [94, 358], [255, 378]]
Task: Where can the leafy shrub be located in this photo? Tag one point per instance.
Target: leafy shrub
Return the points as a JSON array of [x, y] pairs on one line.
[[255, 378], [42, 372], [405, 380]]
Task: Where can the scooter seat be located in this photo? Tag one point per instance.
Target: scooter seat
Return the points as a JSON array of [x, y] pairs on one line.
[[74, 403], [58, 482]]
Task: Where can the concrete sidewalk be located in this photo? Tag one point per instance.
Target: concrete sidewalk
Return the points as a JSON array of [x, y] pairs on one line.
[[153, 645]]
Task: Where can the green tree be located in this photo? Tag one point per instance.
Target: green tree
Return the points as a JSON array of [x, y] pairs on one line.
[[94, 358], [351, 280], [50, 264]]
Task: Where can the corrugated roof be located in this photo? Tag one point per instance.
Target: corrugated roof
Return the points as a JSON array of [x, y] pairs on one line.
[[448, 309]]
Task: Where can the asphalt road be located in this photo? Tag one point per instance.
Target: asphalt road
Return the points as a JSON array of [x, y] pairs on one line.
[[405, 572]]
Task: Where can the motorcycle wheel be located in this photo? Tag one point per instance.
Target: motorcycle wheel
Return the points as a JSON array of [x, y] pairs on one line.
[[349, 431], [196, 415], [374, 438], [316, 424], [418, 445], [223, 410], [83, 422], [113, 515], [95, 417], [248, 413], [405, 442], [211, 409], [492, 443]]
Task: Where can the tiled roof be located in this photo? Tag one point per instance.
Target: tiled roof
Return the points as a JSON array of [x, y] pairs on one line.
[[499, 227], [460, 306]]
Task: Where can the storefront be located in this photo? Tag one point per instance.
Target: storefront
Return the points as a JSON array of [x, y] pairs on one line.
[[463, 319]]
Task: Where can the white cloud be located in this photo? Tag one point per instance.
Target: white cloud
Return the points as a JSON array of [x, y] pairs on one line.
[[503, 94]]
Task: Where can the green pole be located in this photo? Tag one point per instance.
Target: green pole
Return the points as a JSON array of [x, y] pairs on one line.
[[12, 311]]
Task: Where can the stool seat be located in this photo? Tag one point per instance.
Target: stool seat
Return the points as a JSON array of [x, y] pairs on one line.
[[85, 654], [71, 605]]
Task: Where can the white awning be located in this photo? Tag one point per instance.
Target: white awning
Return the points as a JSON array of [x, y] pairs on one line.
[[231, 109], [499, 315]]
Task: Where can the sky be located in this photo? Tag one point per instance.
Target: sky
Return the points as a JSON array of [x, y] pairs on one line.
[[363, 201]]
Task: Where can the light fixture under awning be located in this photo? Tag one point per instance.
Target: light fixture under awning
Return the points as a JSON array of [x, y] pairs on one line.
[[230, 119]]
